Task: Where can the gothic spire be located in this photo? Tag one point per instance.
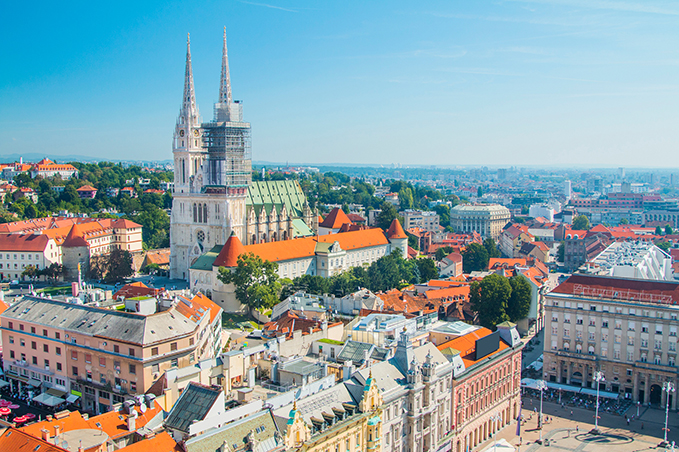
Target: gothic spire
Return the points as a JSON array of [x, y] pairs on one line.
[[225, 82], [189, 106]]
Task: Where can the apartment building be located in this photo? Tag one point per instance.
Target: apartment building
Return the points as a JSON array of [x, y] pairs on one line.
[[486, 383], [18, 251], [99, 354], [428, 221], [486, 219], [626, 328]]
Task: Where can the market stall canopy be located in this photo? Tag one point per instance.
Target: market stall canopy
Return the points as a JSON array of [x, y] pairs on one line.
[[48, 399]]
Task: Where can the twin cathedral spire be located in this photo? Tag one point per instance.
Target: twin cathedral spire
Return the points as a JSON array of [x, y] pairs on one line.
[[189, 114]]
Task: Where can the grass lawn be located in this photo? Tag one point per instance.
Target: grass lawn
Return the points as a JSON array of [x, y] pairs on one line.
[[236, 321], [62, 290]]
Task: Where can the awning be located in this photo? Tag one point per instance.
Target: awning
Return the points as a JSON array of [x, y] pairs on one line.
[[529, 383], [35, 383], [592, 392], [47, 399], [3, 383], [568, 388], [56, 392], [72, 398]]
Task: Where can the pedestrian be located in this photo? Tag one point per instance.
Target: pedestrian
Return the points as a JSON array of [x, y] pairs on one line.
[[642, 425], [571, 413], [628, 421], [576, 429]]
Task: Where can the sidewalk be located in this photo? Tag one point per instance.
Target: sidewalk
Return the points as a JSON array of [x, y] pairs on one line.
[[571, 432]]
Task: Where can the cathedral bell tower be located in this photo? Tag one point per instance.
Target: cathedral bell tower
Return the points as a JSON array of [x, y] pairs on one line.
[[187, 146]]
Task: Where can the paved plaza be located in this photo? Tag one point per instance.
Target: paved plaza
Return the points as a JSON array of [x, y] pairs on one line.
[[571, 432]]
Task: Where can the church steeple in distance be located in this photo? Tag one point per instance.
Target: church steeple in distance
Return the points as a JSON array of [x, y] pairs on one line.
[[225, 81], [189, 111]]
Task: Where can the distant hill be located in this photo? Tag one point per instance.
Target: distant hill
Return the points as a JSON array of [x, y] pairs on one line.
[[35, 157]]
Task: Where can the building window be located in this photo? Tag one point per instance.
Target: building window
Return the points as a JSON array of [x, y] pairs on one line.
[[59, 367], [116, 349], [88, 358], [57, 335], [11, 354], [75, 371], [22, 342], [74, 355], [133, 386], [191, 341], [44, 333], [173, 346], [11, 339], [102, 362], [45, 348], [133, 369], [32, 330], [58, 350], [174, 362], [131, 352], [154, 351], [34, 346]]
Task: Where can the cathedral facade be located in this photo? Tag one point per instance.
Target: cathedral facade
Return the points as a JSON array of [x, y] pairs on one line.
[[213, 190]]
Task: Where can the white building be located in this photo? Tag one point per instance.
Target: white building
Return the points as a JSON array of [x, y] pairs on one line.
[[638, 260], [486, 219], [541, 210], [427, 220]]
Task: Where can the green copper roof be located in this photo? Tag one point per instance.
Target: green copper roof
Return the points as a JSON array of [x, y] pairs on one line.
[[205, 261], [300, 228], [266, 194]]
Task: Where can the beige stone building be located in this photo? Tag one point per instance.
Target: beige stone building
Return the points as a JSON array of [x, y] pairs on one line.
[[626, 328], [100, 355], [486, 219]]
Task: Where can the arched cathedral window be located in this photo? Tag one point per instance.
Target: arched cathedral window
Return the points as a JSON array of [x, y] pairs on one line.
[[195, 213], [204, 213]]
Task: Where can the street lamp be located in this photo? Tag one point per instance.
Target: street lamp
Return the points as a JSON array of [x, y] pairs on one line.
[[495, 418], [668, 387], [598, 378], [541, 385]]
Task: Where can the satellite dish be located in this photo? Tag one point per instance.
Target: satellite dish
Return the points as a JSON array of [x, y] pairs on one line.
[[142, 408]]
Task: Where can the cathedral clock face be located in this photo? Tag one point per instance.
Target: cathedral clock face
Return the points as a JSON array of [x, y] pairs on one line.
[[181, 133], [195, 132]]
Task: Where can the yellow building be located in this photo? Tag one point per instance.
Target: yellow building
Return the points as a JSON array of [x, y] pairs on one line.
[[334, 420]]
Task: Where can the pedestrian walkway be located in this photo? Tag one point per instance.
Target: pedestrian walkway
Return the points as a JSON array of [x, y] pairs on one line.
[[568, 429]]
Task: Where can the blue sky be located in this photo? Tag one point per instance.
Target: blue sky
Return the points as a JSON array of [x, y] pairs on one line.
[[563, 82]]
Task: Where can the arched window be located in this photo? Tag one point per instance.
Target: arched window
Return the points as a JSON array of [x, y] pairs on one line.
[[204, 213], [254, 239], [195, 213], [183, 171], [200, 214]]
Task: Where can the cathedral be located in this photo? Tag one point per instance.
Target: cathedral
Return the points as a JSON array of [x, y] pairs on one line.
[[214, 194]]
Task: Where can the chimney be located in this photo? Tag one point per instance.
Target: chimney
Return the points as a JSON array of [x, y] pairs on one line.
[[45, 434], [132, 422]]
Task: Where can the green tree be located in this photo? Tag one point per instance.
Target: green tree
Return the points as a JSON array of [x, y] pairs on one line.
[[53, 272], [427, 268], [405, 197], [387, 215], [443, 212], [665, 246], [443, 252], [474, 258], [256, 281], [413, 242], [119, 265], [30, 272], [668, 230], [518, 304], [561, 252], [489, 299], [581, 223], [490, 246], [624, 221], [317, 285], [658, 230], [479, 192]]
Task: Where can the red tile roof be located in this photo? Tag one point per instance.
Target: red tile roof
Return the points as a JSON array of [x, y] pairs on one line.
[[23, 242], [86, 188], [467, 346], [162, 442], [497, 262], [75, 237], [228, 256], [335, 219], [15, 440], [620, 288], [395, 230], [137, 289], [306, 246]]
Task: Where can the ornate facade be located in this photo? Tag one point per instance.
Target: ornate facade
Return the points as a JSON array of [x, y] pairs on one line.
[[213, 190]]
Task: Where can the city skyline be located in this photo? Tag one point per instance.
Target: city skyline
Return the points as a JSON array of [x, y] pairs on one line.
[[516, 83]]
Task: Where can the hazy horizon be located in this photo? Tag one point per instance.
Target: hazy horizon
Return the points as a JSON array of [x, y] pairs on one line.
[[560, 83]]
